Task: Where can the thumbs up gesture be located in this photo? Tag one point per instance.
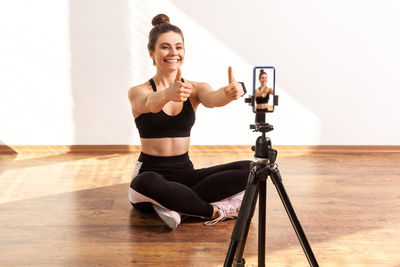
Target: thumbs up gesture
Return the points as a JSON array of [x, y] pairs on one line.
[[179, 91], [234, 89]]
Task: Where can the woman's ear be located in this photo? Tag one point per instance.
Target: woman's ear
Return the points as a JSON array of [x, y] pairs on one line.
[[151, 53]]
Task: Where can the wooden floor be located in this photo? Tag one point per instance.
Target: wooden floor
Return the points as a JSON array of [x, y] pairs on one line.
[[72, 209]]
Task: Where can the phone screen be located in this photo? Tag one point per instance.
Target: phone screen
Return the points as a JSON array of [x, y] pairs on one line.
[[263, 88]]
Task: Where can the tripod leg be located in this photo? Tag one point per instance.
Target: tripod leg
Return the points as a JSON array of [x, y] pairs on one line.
[[239, 260], [277, 180], [243, 220], [262, 202]]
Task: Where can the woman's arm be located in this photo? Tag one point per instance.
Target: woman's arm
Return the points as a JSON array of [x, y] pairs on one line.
[[211, 98], [143, 100]]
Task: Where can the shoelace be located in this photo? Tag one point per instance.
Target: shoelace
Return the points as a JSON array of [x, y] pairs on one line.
[[229, 213]]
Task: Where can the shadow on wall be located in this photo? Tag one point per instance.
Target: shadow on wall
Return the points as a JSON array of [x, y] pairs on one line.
[[100, 63]]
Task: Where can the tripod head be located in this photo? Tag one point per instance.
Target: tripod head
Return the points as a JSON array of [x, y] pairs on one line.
[[263, 147]]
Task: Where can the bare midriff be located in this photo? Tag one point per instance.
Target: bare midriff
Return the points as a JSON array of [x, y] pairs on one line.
[[165, 147], [262, 106]]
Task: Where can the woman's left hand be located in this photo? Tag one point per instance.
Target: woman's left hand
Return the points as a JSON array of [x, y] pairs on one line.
[[233, 90]]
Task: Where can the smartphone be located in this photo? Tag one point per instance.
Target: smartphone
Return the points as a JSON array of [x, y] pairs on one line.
[[264, 89]]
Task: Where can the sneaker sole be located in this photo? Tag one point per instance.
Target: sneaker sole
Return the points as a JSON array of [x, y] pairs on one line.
[[168, 221]]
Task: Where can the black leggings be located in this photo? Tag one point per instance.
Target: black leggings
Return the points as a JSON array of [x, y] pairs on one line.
[[172, 182]]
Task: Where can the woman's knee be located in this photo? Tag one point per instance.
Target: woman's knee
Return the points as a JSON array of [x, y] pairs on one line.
[[144, 181], [245, 165], [245, 170]]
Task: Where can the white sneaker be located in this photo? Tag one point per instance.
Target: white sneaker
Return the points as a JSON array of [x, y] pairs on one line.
[[170, 217], [227, 208]]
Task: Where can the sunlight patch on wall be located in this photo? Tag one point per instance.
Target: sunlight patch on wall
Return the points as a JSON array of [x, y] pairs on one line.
[[36, 103]]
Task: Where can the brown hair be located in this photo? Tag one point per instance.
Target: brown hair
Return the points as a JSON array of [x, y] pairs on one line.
[[161, 25], [261, 73]]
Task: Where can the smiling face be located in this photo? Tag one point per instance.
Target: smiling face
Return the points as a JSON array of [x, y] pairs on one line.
[[169, 51], [263, 79]]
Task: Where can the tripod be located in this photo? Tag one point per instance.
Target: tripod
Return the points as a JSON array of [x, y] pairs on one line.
[[264, 166]]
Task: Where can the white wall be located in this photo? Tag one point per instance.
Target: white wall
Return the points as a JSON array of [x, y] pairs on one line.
[[66, 67]]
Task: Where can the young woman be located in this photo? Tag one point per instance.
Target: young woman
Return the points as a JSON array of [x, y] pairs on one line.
[[164, 109], [262, 93]]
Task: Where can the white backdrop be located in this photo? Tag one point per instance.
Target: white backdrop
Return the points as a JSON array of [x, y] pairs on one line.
[[66, 67]]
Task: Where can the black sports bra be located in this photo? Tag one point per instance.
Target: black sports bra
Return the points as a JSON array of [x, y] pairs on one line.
[[262, 100], [160, 124]]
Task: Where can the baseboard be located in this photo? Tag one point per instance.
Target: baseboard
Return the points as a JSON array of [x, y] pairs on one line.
[[21, 149], [339, 148]]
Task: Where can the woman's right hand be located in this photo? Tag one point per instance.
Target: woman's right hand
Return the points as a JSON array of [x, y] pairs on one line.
[[179, 91]]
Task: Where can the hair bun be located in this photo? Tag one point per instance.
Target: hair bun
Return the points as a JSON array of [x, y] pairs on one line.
[[262, 71], [159, 19]]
